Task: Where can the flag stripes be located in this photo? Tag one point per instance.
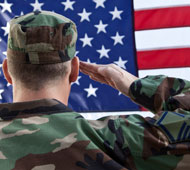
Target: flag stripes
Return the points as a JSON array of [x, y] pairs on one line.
[[162, 30], [162, 18], [152, 4], [166, 58]]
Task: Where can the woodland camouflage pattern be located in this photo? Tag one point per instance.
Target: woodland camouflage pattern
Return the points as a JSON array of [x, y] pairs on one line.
[[35, 37], [47, 135]]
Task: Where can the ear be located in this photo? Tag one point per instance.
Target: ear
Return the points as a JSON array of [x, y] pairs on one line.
[[74, 69], [6, 72]]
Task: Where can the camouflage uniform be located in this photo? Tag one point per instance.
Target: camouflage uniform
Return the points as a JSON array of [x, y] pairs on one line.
[[47, 135]]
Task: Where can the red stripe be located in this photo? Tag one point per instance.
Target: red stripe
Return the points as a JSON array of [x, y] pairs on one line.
[[163, 58], [143, 109], [162, 18]]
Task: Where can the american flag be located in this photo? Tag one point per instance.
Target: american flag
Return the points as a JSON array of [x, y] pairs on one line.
[[108, 31]]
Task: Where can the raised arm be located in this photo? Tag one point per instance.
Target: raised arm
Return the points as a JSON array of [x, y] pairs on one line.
[[156, 93]]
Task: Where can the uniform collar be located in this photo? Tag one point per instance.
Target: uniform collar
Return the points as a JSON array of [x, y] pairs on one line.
[[10, 111]]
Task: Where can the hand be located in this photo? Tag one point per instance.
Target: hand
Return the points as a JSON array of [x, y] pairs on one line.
[[110, 74]]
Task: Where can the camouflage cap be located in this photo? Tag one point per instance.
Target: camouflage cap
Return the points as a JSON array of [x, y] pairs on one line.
[[41, 37]]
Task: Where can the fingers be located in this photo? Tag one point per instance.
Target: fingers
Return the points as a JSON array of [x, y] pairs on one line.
[[91, 69], [103, 70], [99, 78], [106, 71], [100, 73], [88, 67], [94, 76]]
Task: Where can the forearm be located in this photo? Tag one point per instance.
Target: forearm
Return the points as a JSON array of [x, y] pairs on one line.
[[155, 93]]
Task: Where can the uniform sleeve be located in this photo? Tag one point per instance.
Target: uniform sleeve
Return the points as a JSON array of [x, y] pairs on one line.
[[161, 93]]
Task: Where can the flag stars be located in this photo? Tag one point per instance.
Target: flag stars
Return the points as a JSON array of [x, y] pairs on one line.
[[68, 4], [6, 29], [86, 40], [77, 81], [37, 5], [8, 84], [1, 91], [121, 63], [5, 53], [103, 52], [1, 68], [88, 61], [116, 14], [118, 39], [6, 6], [21, 13], [91, 91], [84, 15], [99, 3], [101, 27], [76, 53]]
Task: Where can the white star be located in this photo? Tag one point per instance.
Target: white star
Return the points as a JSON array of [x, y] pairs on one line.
[[99, 3], [5, 53], [118, 38], [1, 67], [37, 5], [101, 27], [119, 93], [8, 84], [121, 63], [91, 91], [116, 13], [0, 39], [88, 61], [6, 6], [77, 81], [1, 91], [86, 40], [21, 13], [6, 29], [84, 15], [103, 52], [76, 53], [68, 4]]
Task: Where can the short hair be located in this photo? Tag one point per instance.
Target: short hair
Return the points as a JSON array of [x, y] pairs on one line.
[[36, 77]]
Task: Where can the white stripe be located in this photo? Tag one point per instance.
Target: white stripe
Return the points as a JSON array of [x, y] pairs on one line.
[[97, 115], [162, 38], [183, 73], [149, 4]]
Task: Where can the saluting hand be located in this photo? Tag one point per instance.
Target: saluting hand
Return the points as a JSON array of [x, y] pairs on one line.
[[110, 74]]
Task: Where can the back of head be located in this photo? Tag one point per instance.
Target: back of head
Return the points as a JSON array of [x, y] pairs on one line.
[[40, 46]]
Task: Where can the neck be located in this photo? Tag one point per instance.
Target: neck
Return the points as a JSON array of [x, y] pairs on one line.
[[59, 92]]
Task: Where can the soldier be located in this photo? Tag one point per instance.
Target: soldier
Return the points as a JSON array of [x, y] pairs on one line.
[[39, 132]]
